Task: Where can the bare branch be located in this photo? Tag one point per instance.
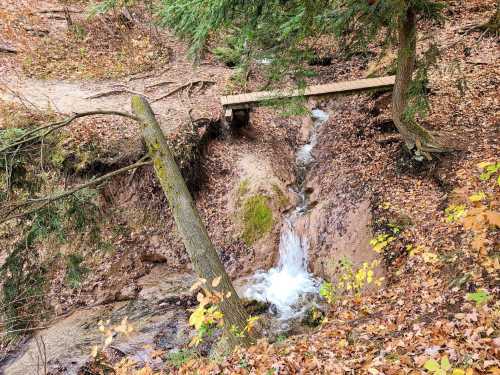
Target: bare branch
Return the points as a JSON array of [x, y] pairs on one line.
[[54, 126], [50, 199]]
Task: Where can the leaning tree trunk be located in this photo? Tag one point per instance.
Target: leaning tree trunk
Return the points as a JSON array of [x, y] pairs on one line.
[[201, 251], [413, 134]]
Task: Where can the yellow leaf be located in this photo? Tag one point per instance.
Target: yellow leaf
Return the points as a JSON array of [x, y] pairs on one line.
[[477, 197], [484, 164], [108, 341], [95, 351], [197, 317], [430, 257], [342, 343], [458, 371], [216, 281], [195, 341]]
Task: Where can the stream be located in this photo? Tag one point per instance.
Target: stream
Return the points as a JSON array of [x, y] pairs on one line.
[[289, 287], [160, 312]]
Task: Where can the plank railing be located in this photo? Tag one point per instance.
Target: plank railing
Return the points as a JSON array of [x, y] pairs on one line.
[[242, 101]]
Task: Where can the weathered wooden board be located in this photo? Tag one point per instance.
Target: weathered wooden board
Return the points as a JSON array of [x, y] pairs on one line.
[[246, 100]]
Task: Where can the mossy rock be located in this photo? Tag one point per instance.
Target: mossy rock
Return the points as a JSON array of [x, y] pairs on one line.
[[257, 218]]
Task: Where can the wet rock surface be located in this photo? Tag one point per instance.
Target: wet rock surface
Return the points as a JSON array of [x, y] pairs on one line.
[[158, 316]]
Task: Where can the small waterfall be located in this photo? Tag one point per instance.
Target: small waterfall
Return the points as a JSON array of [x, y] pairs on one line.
[[289, 285]]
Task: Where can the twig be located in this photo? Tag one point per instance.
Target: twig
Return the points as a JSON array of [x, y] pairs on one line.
[[21, 98], [5, 333], [188, 84], [141, 76], [145, 157], [37, 32], [50, 199], [62, 10], [57, 125], [7, 49]]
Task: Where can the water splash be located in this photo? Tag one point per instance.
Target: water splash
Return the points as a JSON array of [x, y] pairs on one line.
[[288, 286]]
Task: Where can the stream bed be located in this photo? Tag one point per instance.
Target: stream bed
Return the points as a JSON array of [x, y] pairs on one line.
[[289, 287], [160, 313]]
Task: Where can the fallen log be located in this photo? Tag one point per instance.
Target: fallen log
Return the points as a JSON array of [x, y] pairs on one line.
[[202, 253]]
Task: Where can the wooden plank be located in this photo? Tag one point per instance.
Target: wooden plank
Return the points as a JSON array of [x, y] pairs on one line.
[[235, 101]]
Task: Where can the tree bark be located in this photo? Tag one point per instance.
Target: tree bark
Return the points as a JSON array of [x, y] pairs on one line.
[[413, 134], [202, 253]]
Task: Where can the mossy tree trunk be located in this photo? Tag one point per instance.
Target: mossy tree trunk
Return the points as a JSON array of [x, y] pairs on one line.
[[413, 134], [202, 253]]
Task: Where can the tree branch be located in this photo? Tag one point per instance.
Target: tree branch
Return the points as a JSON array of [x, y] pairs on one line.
[[54, 126], [50, 199]]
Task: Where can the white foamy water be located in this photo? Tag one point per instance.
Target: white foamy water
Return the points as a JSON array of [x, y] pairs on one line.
[[288, 286]]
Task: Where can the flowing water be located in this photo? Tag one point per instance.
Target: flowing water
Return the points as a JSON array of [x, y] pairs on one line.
[[289, 286]]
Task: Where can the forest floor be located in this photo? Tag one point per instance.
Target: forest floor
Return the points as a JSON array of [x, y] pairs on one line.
[[440, 297]]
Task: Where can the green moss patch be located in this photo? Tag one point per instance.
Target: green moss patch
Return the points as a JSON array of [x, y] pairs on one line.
[[257, 218]]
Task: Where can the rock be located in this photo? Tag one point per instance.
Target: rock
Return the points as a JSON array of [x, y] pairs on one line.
[[306, 129], [68, 342], [335, 231], [127, 293], [161, 284]]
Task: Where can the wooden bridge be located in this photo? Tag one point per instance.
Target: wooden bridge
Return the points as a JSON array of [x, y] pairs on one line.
[[245, 101]]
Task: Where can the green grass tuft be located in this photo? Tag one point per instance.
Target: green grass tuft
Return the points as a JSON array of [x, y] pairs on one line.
[[180, 357]]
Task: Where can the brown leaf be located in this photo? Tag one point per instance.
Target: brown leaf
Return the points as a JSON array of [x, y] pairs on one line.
[[493, 218]]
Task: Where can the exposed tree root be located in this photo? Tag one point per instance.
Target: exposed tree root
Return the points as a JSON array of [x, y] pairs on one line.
[[160, 83], [181, 87], [116, 91]]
